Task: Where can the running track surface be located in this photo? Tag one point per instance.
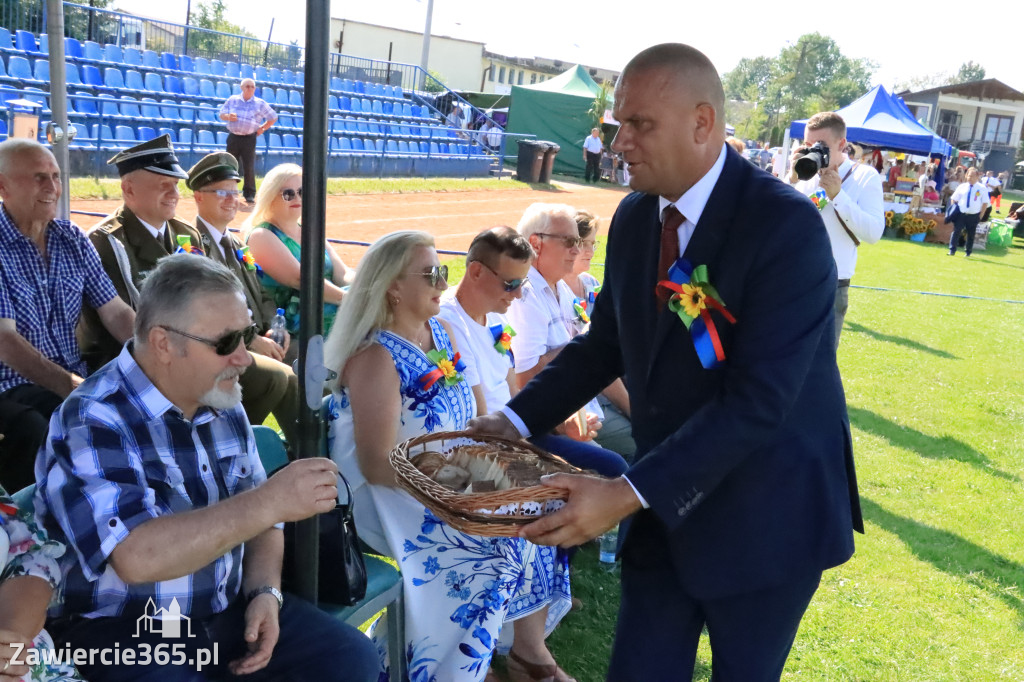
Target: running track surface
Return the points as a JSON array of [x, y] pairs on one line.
[[454, 218]]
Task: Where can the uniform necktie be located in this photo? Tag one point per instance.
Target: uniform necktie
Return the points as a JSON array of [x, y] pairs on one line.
[[228, 247], [168, 240], [671, 220]]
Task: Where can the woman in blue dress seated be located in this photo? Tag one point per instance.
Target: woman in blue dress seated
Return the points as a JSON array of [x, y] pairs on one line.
[[459, 589]]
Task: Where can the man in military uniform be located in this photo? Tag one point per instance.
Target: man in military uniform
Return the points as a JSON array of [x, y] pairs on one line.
[[214, 183]]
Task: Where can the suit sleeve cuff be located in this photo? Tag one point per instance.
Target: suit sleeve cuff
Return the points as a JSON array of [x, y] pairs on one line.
[[636, 492], [516, 421]]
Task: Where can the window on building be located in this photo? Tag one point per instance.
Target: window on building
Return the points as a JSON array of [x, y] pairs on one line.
[[501, 75], [511, 76], [533, 78], [520, 78], [998, 128], [491, 72]]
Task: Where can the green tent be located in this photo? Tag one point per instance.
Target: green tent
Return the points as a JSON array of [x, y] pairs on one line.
[[556, 111]]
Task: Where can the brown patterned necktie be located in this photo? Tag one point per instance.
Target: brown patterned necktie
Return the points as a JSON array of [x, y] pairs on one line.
[[671, 220]]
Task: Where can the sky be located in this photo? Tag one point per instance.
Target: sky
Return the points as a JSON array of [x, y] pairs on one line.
[[905, 39]]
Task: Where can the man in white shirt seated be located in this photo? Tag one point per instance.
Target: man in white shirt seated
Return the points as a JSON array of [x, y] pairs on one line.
[[852, 210], [497, 267]]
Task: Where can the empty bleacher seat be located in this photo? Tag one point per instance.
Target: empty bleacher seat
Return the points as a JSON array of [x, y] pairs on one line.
[[72, 48], [223, 90], [201, 65], [185, 63], [19, 68], [108, 106], [92, 51], [261, 74], [222, 137], [282, 97], [232, 70], [189, 86], [133, 80], [133, 56], [345, 144], [6, 44], [288, 77], [294, 98], [113, 79], [169, 61], [169, 109], [300, 77], [274, 75], [344, 103], [172, 84], [185, 137], [150, 109], [217, 67], [206, 89], [169, 132], [112, 53], [357, 144], [125, 134], [207, 113], [205, 138], [274, 141], [26, 41], [83, 106], [130, 108], [153, 82], [151, 60], [81, 136], [145, 133], [246, 71], [290, 141], [185, 111], [71, 75], [332, 102]]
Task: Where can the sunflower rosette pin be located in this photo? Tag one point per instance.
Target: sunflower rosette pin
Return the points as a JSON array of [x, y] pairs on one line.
[[693, 299], [185, 245], [502, 334], [447, 369], [247, 260]]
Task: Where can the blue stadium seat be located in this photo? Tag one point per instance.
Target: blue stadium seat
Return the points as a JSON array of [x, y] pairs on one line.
[[434, 149], [26, 41], [113, 78], [345, 144], [407, 110], [335, 84], [300, 77], [274, 75], [222, 138], [185, 111], [133, 80], [378, 145], [290, 141], [246, 71], [332, 102], [362, 127], [153, 82], [205, 138], [232, 70], [261, 74], [223, 90], [284, 121], [367, 106], [288, 77], [172, 84], [151, 60], [83, 105], [6, 44], [206, 88], [145, 133], [294, 98], [130, 108], [282, 97], [346, 86], [201, 65], [378, 107], [360, 87], [169, 109], [217, 67], [112, 53], [150, 109], [18, 67], [72, 48], [185, 63], [274, 141], [37, 95], [168, 61], [92, 51], [393, 147], [189, 86], [81, 136], [344, 103], [185, 137], [207, 113], [133, 56], [169, 132], [335, 144], [388, 108], [357, 144], [108, 106], [71, 75], [125, 134]]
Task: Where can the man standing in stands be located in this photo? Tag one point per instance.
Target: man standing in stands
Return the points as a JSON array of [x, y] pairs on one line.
[[592, 148], [247, 117], [47, 268], [269, 385]]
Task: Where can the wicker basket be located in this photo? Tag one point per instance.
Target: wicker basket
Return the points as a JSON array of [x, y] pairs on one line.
[[498, 513]]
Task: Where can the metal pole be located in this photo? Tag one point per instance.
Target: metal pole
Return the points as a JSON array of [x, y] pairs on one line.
[[425, 56], [59, 100], [188, 19], [311, 279]]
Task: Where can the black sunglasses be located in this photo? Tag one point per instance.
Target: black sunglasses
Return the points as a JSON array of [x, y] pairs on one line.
[[509, 285], [226, 344], [569, 242], [435, 274], [290, 194]]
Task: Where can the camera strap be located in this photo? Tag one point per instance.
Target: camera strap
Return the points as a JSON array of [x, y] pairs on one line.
[[856, 242]]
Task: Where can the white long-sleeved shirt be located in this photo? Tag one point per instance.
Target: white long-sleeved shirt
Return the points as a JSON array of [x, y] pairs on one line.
[[859, 203]]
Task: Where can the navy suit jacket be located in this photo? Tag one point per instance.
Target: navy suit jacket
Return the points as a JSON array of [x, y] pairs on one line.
[[748, 468]]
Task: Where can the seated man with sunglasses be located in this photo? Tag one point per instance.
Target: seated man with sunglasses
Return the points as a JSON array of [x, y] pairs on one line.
[[150, 474], [497, 268]]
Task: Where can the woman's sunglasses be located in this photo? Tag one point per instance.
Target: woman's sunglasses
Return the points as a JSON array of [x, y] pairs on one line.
[[436, 274], [509, 285], [224, 345], [290, 194]]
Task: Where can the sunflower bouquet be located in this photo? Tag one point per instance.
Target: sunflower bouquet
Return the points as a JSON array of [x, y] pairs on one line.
[[893, 219], [912, 225]]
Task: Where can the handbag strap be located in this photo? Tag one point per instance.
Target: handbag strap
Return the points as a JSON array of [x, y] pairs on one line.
[[348, 506]]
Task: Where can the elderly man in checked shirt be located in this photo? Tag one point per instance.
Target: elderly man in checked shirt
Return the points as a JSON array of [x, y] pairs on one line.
[[150, 474], [247, 117], [47, 267]]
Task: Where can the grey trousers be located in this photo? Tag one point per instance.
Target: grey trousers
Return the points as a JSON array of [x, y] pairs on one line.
[[842, 303]]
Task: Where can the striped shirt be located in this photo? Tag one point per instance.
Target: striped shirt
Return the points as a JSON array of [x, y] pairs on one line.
[[44, 298], [119, 454], [251, 114]]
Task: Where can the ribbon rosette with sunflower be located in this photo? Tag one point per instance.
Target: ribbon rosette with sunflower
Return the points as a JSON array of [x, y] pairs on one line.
[[185, 245], [693, 299], [502, 334], [448, 368], [247, 260]]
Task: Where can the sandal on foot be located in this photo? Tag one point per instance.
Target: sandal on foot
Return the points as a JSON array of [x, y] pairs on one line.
[[521, 670]]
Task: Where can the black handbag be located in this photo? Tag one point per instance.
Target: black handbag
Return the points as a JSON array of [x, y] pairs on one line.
[[342, 573]]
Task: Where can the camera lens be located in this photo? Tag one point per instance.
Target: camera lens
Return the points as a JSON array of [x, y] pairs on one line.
[[807, 166]]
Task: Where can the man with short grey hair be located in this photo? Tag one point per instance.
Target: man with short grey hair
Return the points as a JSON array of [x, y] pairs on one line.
[[150, 474], [47, 268], [247, 117]]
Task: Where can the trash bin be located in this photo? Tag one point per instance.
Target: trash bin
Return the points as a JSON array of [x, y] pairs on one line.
[[531, 160], [1018, 180], [549, 162]]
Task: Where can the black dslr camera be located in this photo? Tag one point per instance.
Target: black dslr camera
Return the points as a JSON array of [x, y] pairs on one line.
[[812, 160]]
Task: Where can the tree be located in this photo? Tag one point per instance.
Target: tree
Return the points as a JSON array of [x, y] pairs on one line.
[[969, 71], [756, 73], [435, 83], [600, 105], [211, 43]]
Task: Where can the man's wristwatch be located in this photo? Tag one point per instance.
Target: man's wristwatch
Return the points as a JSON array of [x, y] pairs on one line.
[[267, 589]]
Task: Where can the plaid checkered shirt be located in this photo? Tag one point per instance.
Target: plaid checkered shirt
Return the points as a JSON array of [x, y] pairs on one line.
[[45, 298], [251, 114], [119, 454]]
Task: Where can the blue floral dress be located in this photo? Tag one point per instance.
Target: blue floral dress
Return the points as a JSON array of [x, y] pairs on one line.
[[26, 550], [459, 588]]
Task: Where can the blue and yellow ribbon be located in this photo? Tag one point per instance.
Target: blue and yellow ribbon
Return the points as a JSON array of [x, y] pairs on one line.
[[503, 334], [247, 260], [693, 299], [448, 368]]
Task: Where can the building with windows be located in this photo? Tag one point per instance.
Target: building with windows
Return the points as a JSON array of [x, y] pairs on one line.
[[983, 116], [501, 72]]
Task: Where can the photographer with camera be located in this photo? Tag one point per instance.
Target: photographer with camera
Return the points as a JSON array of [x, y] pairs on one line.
[[848, 194]]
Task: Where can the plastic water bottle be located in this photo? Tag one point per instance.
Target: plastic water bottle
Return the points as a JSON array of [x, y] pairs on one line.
[[278, 332], [609, 545]]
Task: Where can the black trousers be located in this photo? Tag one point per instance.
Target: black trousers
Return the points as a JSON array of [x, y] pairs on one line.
[[968, 222], [24, 421], [243, 148], [593, 167]]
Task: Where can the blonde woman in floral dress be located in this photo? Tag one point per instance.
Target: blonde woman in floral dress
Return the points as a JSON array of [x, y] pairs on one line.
[[399, 377]]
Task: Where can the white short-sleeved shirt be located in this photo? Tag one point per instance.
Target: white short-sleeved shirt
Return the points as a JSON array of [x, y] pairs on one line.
[[970, 198], [593, 144], [485, 366]]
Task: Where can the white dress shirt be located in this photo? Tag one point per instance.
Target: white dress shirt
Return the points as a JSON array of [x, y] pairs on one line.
[[970, 198], [216, 235], [157, 232], [859, 203], [485, 366]]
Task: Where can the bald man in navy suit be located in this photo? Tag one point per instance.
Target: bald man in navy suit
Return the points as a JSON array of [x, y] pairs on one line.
[[743, 488]]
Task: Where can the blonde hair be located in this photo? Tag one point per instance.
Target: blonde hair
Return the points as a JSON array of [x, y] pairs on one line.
[[269, 190], [365, 309]]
